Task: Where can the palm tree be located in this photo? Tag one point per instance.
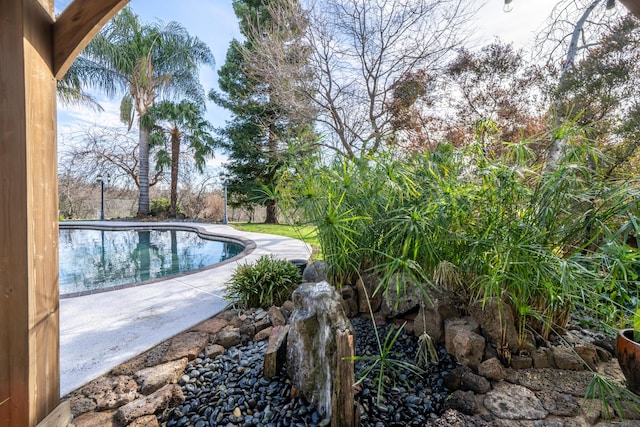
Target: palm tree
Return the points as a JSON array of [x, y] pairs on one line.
[[181, 122], [143, 62]]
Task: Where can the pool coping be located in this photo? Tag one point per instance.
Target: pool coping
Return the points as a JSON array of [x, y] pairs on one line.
[[249, 247]]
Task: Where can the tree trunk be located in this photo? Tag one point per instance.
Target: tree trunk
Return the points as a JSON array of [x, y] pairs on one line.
[[143, 172], [558, 143], [272, 216], [175, 155]]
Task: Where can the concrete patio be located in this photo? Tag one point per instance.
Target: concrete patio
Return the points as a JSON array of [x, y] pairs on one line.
[[102, 330]]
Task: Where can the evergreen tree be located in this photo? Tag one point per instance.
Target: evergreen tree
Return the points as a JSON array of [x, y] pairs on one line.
[[262, 137]]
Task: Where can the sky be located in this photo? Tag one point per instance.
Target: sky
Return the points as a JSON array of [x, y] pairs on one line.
[[214, 22]]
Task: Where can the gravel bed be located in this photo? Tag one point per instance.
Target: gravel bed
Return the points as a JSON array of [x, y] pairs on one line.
[[232, 391]]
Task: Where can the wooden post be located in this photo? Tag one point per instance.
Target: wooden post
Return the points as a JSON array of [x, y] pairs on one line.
[[344, 410], [29, 323], [29, 302]]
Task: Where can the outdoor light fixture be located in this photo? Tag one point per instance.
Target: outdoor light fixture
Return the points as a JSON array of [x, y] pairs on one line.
[[225, 181], [100, 179], [610, 8], [508, 6]]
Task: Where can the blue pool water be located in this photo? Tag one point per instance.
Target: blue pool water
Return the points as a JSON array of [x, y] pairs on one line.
[[92, 260]]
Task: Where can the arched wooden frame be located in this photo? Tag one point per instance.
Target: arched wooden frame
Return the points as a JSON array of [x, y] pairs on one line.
[[76, 26]]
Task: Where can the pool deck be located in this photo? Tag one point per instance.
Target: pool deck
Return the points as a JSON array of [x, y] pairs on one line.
[[102, 330]]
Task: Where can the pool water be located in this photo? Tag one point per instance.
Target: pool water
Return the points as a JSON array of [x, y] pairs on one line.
[[92, 260]]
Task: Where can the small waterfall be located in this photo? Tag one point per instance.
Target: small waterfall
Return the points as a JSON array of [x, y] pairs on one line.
[[312, 352]]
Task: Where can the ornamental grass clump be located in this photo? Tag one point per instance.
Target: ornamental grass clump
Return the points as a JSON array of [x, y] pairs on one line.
[[266, 283], [546, 243]]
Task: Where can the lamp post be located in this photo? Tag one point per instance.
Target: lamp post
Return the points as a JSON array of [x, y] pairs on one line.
[[100, 179], [225, 182]]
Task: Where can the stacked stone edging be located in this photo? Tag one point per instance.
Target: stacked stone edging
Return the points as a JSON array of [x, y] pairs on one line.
[[547, 390]]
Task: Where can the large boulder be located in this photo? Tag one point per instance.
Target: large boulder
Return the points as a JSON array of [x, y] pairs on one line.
[[312, 351]]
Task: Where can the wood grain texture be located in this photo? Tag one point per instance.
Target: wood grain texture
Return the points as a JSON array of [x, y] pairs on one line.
[[29, 325], [76, 26]]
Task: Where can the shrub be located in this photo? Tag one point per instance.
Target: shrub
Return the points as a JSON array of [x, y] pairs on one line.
[[160, 207], [266, 283]]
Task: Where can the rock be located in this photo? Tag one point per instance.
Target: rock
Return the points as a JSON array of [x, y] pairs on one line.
[[566, 359], [312, 358], [248, 330], [542, 358], [315, 272], [263, 323], [96, 419], [574, 383], [263, 334], [81, 404], [287, 308], [466, 346], [151, 379], [401, 294], [593, 410], [497, 322], [629, 409], [489, 352], [146, 421], [514, 402], [559, 404], [211, 326], [349, 300], [589, 354], [603, 354], [149, 358], [228, 337], [366, 287], [452, 326], [213, 350], [453, 379], [492, 369], [521, 362], [169, 395], [276, 317], [111, 392], [188, 344], [463, 401], [276, 354], [453, 418], [440, 306], [475, 383]]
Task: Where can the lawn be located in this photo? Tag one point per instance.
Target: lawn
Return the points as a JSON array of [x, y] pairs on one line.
[[307, 234]]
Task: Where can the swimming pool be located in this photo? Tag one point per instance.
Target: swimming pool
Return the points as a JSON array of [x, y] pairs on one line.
[[92, 260]]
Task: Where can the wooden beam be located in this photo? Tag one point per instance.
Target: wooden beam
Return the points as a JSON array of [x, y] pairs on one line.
[[60, 417], [76, 26], [29, 328], [633, 6]]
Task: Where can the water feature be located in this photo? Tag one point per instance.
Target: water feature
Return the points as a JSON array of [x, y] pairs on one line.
[[91, 260]]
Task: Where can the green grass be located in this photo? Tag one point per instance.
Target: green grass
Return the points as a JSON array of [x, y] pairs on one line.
[[307, 234]]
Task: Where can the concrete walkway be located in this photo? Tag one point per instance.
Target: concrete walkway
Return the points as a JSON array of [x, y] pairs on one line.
[[100, 331]]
